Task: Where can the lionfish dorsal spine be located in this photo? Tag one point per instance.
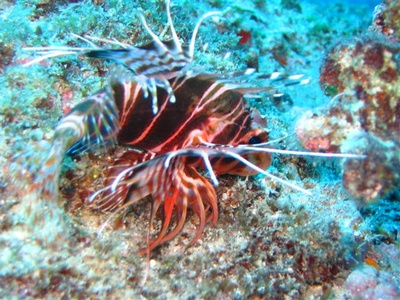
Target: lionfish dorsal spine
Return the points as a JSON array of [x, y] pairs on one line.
[[176, 43], [172, 28], [196, 30]]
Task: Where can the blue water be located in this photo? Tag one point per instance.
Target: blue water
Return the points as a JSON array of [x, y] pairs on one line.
[[370, 3]]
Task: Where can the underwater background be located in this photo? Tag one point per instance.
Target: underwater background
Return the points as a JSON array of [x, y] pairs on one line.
[[270, 242]]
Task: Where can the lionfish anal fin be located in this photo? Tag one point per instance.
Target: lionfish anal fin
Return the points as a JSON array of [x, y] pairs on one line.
[[121, 171]]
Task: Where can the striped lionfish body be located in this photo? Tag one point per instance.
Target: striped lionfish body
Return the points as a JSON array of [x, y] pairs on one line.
[[165, 151], [194, 122]]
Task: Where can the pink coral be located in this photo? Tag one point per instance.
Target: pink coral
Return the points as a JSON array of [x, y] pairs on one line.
[[368, 283]]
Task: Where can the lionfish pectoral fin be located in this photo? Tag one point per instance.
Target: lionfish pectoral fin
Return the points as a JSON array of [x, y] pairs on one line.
[[202, 200], [131, 180], [37, 169], [169, 198], [228, 164], [186, 190]]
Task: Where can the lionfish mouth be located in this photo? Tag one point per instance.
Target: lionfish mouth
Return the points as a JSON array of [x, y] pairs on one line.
[[193, 121]]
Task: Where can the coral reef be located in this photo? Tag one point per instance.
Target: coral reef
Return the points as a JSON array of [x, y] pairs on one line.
[[361, 75], [367, 282], [363, 117], [386, 19]]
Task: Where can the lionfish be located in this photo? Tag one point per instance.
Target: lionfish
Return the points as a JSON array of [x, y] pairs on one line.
[[194, 121]]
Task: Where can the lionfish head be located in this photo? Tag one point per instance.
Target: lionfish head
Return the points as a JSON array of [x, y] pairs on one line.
[[224, 160]]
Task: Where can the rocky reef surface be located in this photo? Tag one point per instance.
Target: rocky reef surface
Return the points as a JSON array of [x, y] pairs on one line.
[[340, 242]]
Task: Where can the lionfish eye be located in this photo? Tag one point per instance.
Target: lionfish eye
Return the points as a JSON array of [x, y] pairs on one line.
[[254, 140]]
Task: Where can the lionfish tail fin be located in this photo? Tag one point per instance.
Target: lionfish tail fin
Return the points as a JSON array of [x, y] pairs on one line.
[[46, 181], [91, 123], [36, 171], [39, 167], [27, 164]]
